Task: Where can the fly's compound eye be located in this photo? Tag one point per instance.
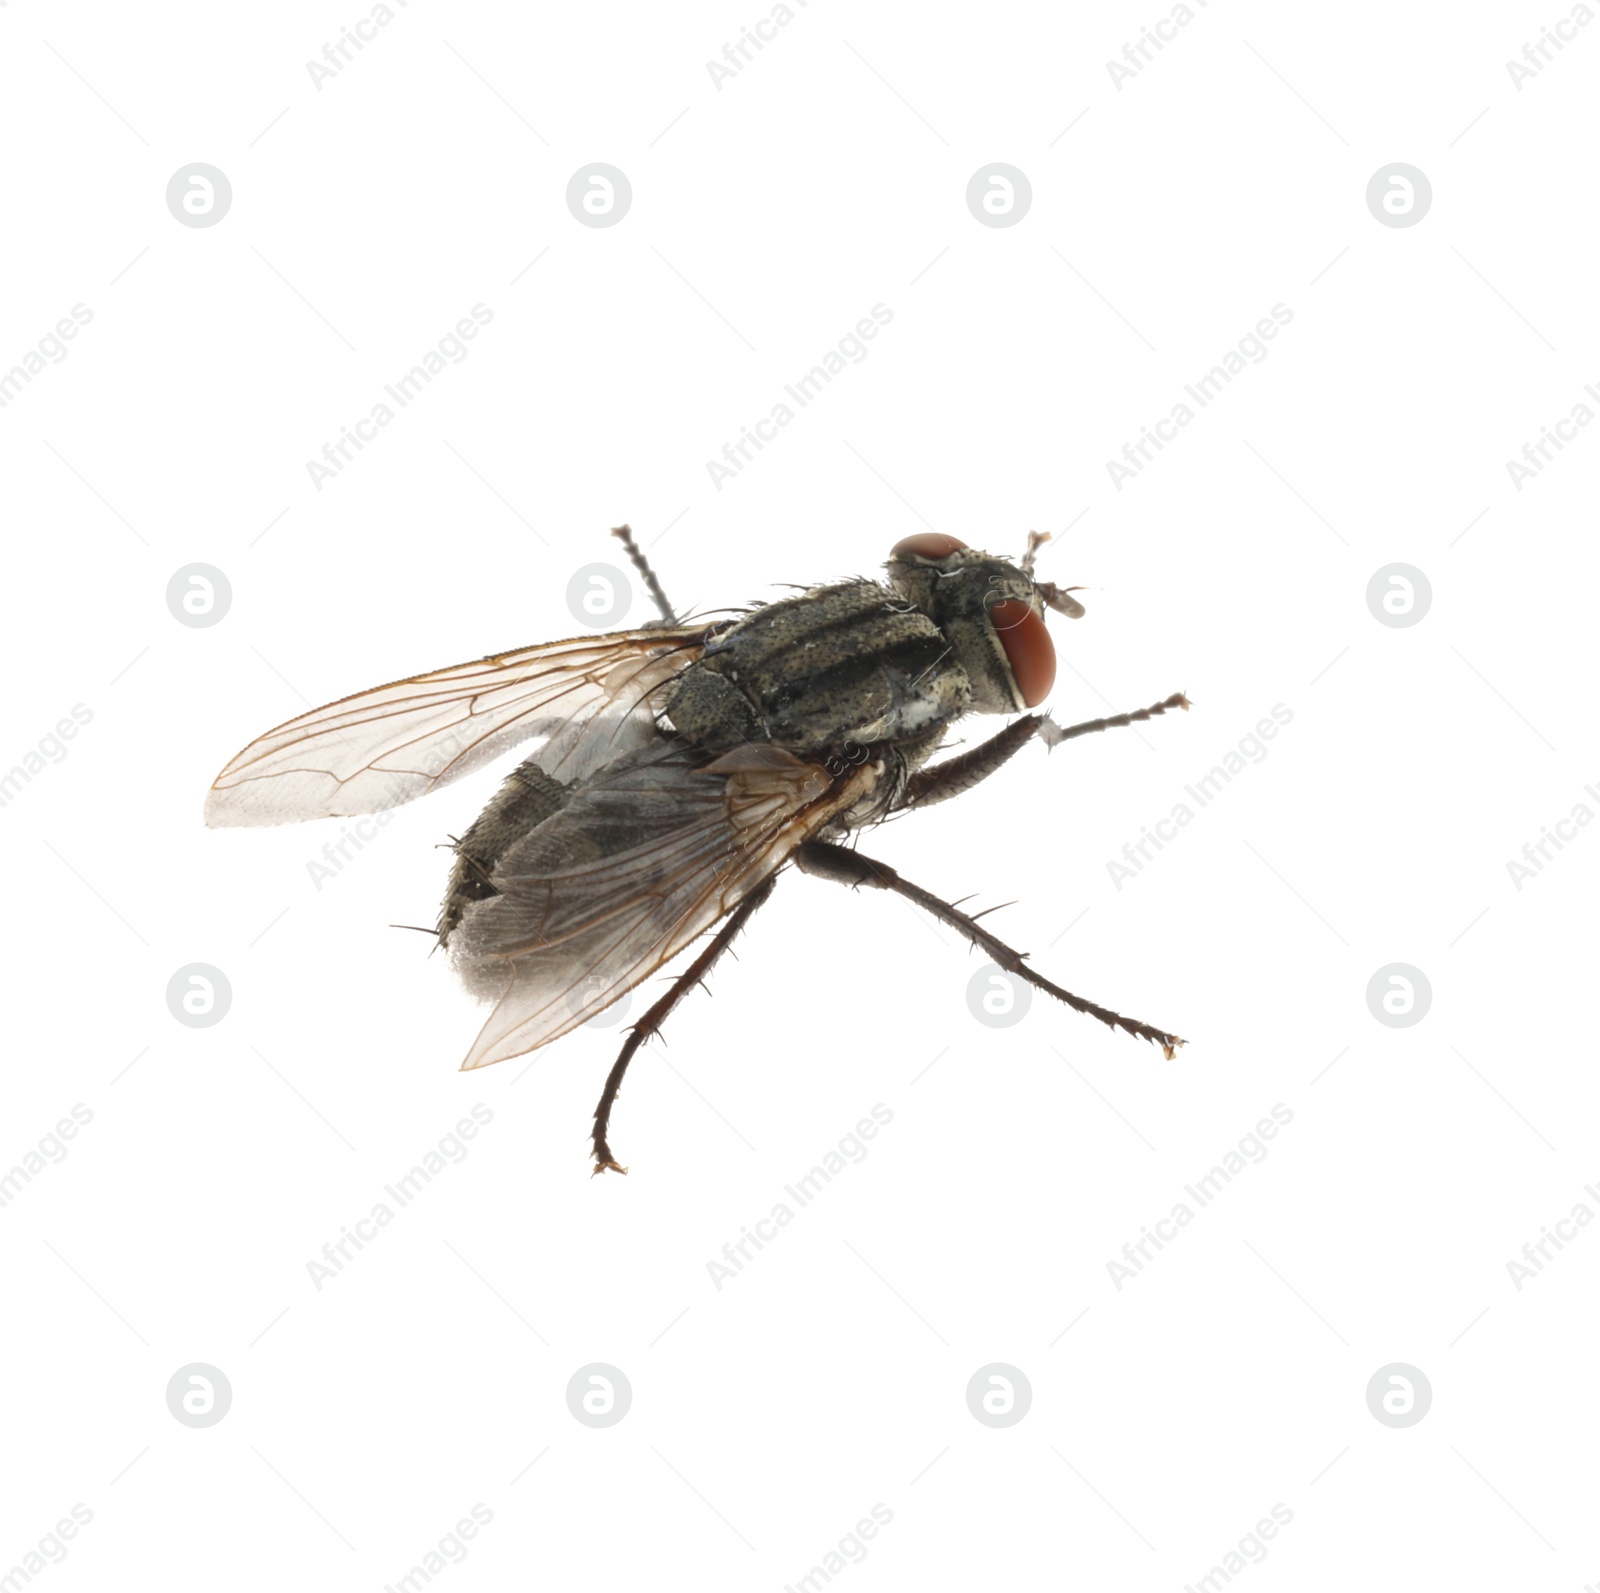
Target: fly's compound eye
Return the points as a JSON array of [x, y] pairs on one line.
[[1028, 648], [927, 545]]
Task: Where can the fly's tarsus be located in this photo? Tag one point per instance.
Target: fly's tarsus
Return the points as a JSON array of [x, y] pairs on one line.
[[625, 535], [1053, 735], [940, 781]]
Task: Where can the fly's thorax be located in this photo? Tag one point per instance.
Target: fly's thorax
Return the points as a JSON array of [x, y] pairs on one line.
[[846, 664], [970, 597]]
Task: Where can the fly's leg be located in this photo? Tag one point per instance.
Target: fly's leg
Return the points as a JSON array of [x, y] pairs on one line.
[[1053, 735], [970, 768], [642, 565], [967, 769], [839, 863], [651, 1022]]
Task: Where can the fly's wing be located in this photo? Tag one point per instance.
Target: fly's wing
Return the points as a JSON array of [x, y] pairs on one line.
[[640, 860], [596, 697]]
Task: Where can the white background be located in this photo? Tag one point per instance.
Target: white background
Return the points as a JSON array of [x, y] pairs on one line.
[[1168, 216]]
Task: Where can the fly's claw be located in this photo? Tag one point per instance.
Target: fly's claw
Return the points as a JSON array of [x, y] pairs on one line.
[[608, 1166]]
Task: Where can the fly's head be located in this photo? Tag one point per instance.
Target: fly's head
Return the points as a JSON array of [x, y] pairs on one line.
[[990, 610]]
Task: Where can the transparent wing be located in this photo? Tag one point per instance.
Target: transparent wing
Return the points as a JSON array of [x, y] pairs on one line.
[[640, 861], [596, 697]]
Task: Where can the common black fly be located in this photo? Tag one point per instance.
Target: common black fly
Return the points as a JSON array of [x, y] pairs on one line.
[[683, 765]]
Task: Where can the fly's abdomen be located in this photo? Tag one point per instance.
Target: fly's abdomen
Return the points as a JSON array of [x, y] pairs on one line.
[[841, 664], [527, 798]]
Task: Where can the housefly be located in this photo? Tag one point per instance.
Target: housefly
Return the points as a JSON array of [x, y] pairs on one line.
[[683, 765]]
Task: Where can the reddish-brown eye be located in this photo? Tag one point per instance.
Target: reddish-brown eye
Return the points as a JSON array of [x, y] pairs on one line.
[[1029, 650], [927, 545]]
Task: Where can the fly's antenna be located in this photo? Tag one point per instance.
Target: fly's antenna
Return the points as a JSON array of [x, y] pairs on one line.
[[625, 535], [1054, 596]]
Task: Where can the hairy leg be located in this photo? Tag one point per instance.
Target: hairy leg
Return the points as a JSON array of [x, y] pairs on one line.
[[651, 1022], [968, 769], [839, 863]]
